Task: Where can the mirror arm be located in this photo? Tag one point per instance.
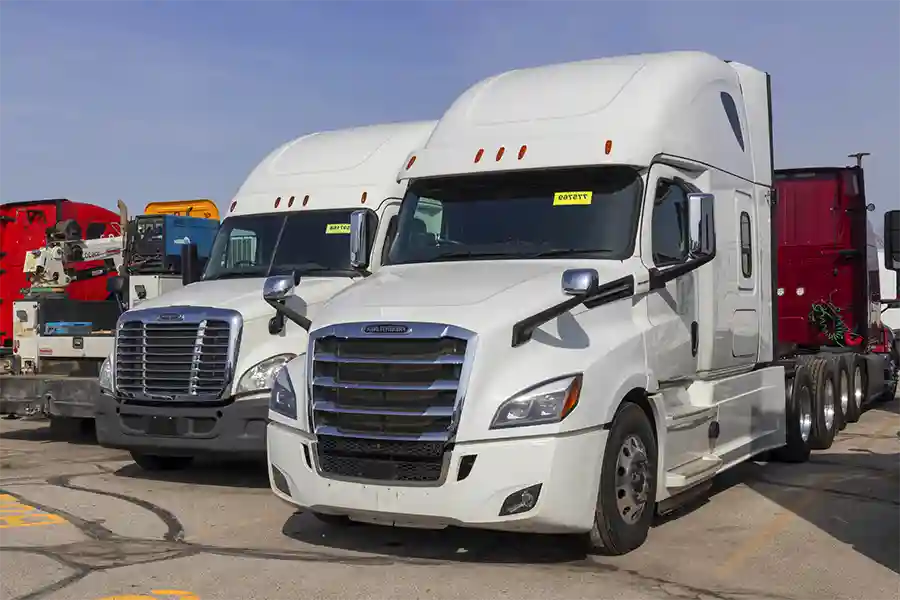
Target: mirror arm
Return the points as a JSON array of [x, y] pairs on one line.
[[660, 277], [283, 311]]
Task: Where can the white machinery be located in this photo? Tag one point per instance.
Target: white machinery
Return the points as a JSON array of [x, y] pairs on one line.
[[574, 327], [192, 371], [50, 266]]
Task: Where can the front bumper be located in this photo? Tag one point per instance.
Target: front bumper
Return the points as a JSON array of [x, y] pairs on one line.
[[568, 467], [57, 396], [237, 430]]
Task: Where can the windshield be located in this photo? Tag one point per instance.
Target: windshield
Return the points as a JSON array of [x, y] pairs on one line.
[[586, 211], [313, 242]]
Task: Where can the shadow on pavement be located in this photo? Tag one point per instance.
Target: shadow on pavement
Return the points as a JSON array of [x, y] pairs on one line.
[[80, 432], [243, 474], [451, 544]]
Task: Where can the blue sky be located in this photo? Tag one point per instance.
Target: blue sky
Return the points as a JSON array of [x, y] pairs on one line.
[[180, 99]]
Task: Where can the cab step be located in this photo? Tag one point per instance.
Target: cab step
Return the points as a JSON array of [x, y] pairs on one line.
[[694, 471]]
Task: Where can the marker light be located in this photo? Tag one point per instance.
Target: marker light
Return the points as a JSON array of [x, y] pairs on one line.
[[479, 154], [233, 206], [522, 151], [305, 200], [290, 202], [410, 163], [608, 147], [363, 198], [277, 201], [500, 153]]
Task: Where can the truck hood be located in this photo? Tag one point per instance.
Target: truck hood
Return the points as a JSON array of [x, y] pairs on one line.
[[477, 295], [245, 295]]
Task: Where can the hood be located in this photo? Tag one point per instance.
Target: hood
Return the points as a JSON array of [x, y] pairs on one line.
[[245, 295], [476, 295]]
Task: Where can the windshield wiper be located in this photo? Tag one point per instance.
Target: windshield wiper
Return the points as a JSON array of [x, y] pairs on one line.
[[450, 255], [563, 252]]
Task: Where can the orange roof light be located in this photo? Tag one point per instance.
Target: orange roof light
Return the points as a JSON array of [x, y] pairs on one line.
[[291, 202], [305, 200], [500, 153], [608, 147], [277, 201], [233, 206], [479, 154], [412, 160], [522, 151], [363, 198]]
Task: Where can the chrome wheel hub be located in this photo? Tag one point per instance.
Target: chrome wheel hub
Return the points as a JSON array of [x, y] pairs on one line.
[[633, 478], [828, 404], [857, 387], [804, 408], [845, 392]]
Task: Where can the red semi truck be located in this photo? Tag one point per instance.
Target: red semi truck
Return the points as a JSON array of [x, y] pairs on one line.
[[23, 227], [828, 295]]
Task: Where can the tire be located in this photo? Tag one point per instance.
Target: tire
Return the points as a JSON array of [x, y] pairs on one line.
[[824, 387], [798, 418], [333, 520], [859, 383], [154, 462], [612, 534], [842, 391], [68, 428]]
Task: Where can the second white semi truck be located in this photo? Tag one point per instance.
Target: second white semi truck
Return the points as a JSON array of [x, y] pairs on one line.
[[576, 323], [192, 370]]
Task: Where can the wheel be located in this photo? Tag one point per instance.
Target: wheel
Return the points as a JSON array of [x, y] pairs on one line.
[[798, 396], [68, 428], [333, 520], [626, 499], [823, 385], [842, 391], [856, 367], [154, 462]]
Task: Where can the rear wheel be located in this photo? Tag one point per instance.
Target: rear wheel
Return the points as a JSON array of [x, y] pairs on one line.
[[627, 496], [856, 368], [798, 417], [824, 398], [843, 391], [154, 462]]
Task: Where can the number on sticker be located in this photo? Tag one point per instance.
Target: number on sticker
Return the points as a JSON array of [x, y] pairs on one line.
[[572, 198], [337, 228]]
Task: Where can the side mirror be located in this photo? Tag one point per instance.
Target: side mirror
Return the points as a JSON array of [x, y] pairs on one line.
[[701, 213], [278, 288], [278, 291], [892, 240], [115, 284], [359, 237], [190, 264], [580, 282]]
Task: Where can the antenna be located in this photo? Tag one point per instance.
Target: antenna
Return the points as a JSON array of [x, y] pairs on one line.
[[859, 156]]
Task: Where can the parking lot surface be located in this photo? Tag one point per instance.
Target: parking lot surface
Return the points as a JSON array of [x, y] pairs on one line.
[[81, 522]]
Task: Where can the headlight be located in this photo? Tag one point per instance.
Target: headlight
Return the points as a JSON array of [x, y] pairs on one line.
[[261, 376], [548, 402], [106, 376], [283, 400]]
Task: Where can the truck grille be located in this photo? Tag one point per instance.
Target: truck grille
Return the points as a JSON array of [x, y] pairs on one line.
[[383, 407], [173, 360]]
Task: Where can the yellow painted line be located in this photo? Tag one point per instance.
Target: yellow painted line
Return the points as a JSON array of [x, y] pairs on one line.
[[157, 595], [15, 514], [768, 533]]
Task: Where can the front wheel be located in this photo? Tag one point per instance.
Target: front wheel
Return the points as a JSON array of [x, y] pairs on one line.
[[626, 499], [154, 462]]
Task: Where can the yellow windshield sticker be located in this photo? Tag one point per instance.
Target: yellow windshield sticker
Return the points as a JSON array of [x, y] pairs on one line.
[[572, 198], [337, 228]]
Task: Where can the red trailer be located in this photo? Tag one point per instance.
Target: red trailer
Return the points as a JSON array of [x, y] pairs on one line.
[[828, 294], [23, 227]]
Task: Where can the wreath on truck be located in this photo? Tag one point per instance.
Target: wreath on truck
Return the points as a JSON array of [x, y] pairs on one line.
[[827, 319]]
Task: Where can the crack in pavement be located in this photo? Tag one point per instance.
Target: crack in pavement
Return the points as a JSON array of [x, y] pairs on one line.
[[105, 550]]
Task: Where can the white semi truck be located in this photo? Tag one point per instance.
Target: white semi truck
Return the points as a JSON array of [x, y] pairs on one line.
[[192, 370], [576, 323]]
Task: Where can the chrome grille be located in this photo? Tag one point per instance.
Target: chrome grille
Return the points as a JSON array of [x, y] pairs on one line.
[[384, 406], [183, 359]]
